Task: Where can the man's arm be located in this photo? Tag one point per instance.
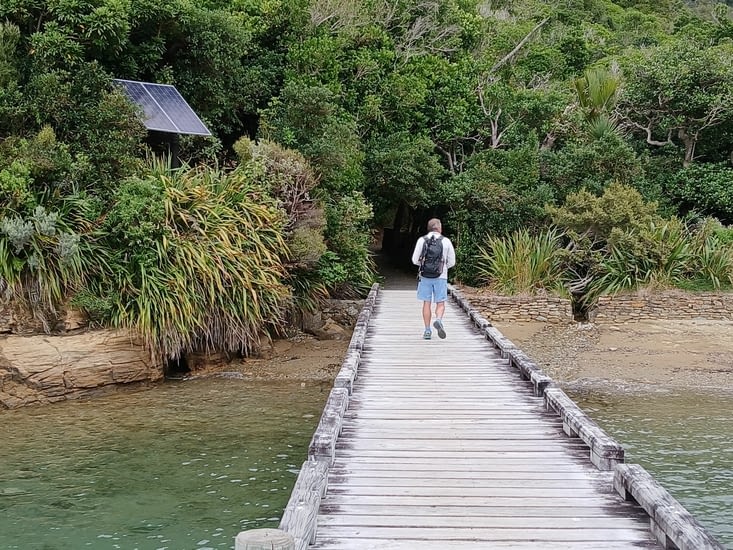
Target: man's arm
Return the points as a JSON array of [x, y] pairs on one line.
[[450, 255], [417, 253]]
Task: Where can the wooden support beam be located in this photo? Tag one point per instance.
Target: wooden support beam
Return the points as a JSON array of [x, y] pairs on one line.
[[323, 443], [300, 515], [349, 371], [264, 539], [673, 526], [605, 452]]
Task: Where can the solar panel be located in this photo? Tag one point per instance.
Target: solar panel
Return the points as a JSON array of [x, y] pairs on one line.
[[165, 109]]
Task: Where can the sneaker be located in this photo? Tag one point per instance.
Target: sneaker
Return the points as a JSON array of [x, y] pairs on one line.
[[438, 324], [427, 334]]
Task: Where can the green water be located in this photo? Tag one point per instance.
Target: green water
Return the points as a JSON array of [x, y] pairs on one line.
[[684, 439], [185, 465]]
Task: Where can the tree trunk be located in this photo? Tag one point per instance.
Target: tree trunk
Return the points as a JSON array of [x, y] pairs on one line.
[[689, 142]]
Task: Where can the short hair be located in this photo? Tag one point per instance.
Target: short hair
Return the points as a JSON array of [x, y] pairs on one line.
[[434, 224]]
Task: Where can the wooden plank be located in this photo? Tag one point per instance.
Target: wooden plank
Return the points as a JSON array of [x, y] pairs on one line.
[[529, 491], [430, 521], [497, 464], [462, 445], [447, 457], [557, 536], [344, 499], [528, 513], [408, 472], [463, 432], [479, 482], [482, 415], [424, 544]]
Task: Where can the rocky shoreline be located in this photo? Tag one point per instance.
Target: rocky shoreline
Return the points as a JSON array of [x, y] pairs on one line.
[[644, 356]]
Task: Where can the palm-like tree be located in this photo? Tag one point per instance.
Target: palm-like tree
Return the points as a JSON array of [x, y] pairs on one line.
[[596, 91]]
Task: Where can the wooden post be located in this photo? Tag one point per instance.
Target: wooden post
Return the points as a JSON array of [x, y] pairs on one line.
[[605, 452], [673, 526], [264, 539]]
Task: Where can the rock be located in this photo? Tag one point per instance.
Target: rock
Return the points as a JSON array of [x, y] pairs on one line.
[[75, 319], [331, 331], [44, 369], [311, 322]]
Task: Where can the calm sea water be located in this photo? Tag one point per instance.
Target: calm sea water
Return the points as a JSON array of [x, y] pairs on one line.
[[684, 439], [185, 465]]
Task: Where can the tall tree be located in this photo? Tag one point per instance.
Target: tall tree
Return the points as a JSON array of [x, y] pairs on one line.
[[674, 93]]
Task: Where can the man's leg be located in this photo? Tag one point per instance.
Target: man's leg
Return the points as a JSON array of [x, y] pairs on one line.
[[426, 314], [441, 295], [439, 310], [425, 294]]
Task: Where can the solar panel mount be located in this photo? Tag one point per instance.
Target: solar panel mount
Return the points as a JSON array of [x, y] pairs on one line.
[[164, 108]]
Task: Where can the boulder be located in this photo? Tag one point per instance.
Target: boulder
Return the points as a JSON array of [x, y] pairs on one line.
[[43, 369]]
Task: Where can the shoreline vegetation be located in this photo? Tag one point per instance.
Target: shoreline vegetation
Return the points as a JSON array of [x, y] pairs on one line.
[[633, 357]]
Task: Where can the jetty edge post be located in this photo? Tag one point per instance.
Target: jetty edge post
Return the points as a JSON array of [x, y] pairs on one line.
[[672, 525], [297, 529], [264, 539], [605, 452]]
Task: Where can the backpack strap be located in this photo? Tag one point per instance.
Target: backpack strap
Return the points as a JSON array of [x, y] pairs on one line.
[[424, 249]]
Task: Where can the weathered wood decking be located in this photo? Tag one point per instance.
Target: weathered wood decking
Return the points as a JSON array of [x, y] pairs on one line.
[[442, 447]]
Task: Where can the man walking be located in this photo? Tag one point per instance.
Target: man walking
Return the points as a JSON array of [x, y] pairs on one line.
[[434, 254]]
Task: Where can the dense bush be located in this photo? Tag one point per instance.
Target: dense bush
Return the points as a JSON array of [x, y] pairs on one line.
[[196, 261], [522, 262], [704, 190]]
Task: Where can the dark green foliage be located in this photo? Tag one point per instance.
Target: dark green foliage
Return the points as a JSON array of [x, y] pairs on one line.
[[704, 190], [401, 168], [591, 165], [348, 237], [498, 194], [366, 117], [95, 121]]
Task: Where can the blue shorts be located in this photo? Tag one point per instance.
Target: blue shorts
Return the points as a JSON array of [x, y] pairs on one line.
[[432, 290]]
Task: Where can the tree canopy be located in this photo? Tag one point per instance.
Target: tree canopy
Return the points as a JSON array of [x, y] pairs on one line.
[[483, 113]]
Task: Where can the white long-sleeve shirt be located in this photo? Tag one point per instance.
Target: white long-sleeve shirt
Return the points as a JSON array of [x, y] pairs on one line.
[[449, 253]]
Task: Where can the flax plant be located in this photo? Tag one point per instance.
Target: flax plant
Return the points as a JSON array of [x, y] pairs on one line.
[[522, 262], [713, 255], [215, 279], [672, 257], [661, 259], [44, 260]]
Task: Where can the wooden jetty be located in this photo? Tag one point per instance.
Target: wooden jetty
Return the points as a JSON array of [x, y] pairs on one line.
[[440, 444]]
